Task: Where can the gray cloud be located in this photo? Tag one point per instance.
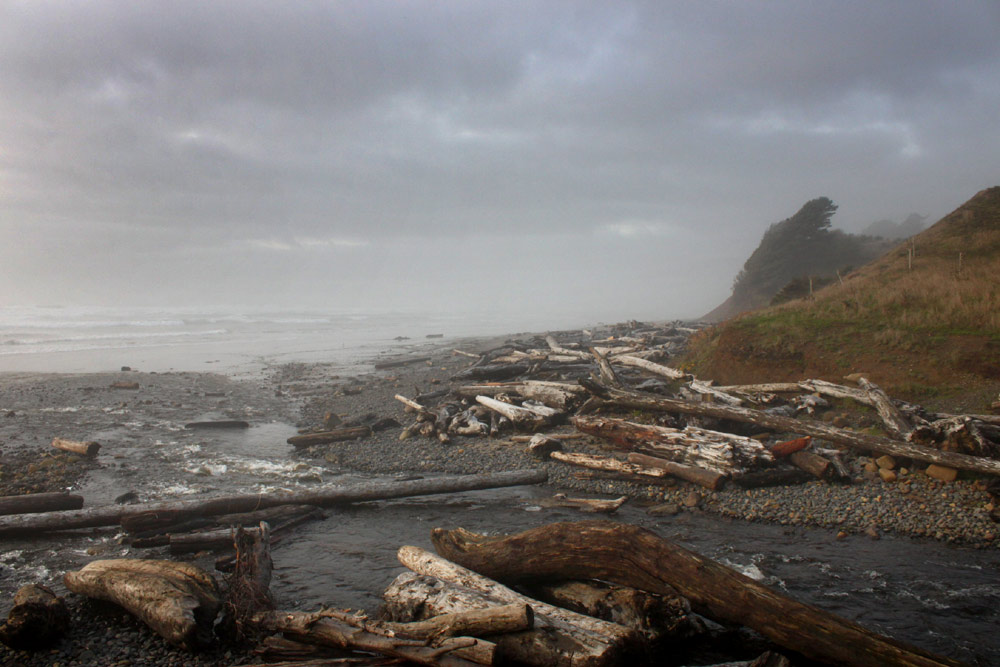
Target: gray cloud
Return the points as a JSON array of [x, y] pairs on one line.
[[149, 149]]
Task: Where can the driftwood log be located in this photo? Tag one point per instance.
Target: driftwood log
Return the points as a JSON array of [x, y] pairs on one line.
[[637, 557], [589, 641], [176, 511], [558, 395], [816, 429], [37, 619], [523, 417], [359, 633], [326, 437], [32, 503], [87, 448], [721, 452], [177, 600], [710, 479]]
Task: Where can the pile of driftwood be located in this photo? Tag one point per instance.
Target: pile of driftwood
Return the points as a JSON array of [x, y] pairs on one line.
[[589, 593], [707, 435]]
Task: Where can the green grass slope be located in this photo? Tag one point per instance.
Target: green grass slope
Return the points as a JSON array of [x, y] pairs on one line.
[[923, 320]]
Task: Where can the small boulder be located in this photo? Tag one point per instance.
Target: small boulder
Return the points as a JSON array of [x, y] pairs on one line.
[[943, 473], [887, 475], [886, 462]]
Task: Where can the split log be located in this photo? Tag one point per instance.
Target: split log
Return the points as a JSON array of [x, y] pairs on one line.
[[29, 524], [220, 423], [892, 416], [722, 452], [177, 600], [88, 448], [593, 641], [607, 464], [324, 437], [806, 427], [636, 557], [396, 363], [32, 503], [710, 479], [38, 619], [650, 367], [358, 633], [589, 505], [413, 597], [657, 617], [524, 418]]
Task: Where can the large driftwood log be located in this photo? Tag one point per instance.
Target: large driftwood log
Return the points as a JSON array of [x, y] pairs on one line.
[[177, 600], [175, 511], [37, 619], [650, 367], [712, 393], [558, 395], [594, 641], [524, 418], [358, 633], [961, 434], [88, 448], [722, 452], [32, 503], [892, 417], [414, 597], [607, 464], [249, 590], [637, 557], [589, 505], [326, 437], [710, 479], [816, 429]]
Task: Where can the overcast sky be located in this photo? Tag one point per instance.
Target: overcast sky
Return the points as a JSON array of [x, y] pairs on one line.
[[606, 159]]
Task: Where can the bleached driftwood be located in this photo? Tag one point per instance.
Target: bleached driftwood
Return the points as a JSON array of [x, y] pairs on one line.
[[523, 417]]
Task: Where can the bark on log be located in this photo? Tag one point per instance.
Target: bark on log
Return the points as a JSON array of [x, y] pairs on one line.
[[892, 417], [178, 601], [249, 590], [33, 503], [806, 427], [788, 447], [28, 524], [722, 452], [650, 367], [88, 448], [811, 462], [325, 437], [710, 479], [637, 557], [414, 597], [358, 633], [596, 641], [37, 619]]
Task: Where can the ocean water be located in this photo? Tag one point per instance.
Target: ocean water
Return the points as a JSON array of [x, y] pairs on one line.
[[228, 340]]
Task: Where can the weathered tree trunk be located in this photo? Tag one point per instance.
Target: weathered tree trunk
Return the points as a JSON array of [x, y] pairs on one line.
[[608, 375], [710, 479], [650, 367], [33, 503], [590, 505], [564, 351], [763, 388], [88, 448], [177, 600], [558, 395], [37, 619], [713, 394], [526, 419], [176, 511], [812, 463], [249, 590], [150, 530], [636, 557], [892, 417], [722, 452], [788, 447], [596, 641], [414, 597], [961, 435], [493, 620], [806, 427], [325, 437], [358, 633], [493, 371], [607, 464]]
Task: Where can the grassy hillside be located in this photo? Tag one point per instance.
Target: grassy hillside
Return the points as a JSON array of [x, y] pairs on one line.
[[923, 320]]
